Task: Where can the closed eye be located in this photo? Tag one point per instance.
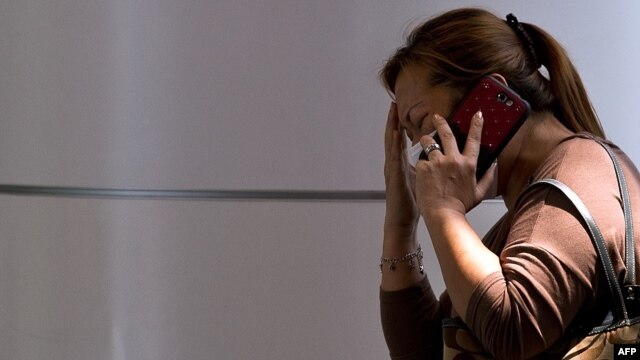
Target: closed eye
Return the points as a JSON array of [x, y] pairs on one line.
[[416, 127], [421, 121]]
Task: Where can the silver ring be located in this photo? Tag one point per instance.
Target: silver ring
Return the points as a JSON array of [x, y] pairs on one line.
[[430, 148]]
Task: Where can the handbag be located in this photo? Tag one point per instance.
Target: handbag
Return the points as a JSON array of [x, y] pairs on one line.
[[586, 341]]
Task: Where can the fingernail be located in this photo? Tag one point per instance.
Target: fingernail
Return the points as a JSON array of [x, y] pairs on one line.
[[479, 114]]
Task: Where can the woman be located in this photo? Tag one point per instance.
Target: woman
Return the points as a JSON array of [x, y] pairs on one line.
[[536, 272]]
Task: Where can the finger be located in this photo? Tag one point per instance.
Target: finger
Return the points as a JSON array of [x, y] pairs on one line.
[[447, 139], [400, 151], [396, 149], [472, 145], [390, 163], [398, 171], [428, 141], [403, 147], [392, 125]]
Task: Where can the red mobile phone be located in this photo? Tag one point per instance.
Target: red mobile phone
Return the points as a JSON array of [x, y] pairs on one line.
[[503, 111]]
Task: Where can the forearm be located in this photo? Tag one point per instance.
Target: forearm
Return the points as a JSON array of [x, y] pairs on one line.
[[464, 259]]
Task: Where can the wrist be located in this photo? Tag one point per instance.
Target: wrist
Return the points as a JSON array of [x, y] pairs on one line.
[[400, 233], [402, 223], [412, 259], [401, 267], [441, 215], [399, 241]]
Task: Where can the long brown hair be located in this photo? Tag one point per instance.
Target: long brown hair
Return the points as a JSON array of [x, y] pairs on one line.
[[461, 46]]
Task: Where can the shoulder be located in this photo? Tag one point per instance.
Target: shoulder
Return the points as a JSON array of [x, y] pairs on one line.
[[579, 162], [545, 217], [583, 165]]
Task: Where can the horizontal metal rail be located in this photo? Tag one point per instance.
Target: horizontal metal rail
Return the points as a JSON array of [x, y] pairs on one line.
[[88, 192]]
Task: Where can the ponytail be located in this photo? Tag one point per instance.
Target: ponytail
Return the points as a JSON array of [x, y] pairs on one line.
[[572, 105]]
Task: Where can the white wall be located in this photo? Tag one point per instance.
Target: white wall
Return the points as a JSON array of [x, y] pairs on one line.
[[189, 94]]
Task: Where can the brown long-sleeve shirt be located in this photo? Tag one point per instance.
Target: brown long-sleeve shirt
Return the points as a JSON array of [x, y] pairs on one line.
[[550, 271]]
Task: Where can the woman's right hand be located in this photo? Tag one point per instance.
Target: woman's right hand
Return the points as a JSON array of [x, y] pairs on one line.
[[402, 213]]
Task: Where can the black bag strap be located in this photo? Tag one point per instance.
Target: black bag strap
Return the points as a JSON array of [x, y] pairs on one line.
[[619, 307], [630, 261], [619, 310]]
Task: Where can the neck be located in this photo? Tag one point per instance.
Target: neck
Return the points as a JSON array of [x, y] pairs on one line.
[[531, 145]]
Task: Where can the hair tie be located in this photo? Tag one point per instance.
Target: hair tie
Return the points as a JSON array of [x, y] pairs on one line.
[[513, 22]]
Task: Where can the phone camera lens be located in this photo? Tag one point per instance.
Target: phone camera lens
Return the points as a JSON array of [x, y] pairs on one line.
[[502, 97]]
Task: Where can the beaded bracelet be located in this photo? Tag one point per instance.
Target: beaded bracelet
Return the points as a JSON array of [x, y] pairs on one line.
[[405, 258]]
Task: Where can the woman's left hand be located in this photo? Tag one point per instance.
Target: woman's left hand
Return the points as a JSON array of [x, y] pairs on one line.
[[447, 181]]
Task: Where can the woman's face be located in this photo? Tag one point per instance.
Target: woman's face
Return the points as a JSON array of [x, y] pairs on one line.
[[418, 101]]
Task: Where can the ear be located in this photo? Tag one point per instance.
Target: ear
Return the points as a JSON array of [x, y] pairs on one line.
[[500, 78]]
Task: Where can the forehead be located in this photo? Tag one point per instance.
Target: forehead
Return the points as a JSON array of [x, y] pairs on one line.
[[411, 82], [411, 88]]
